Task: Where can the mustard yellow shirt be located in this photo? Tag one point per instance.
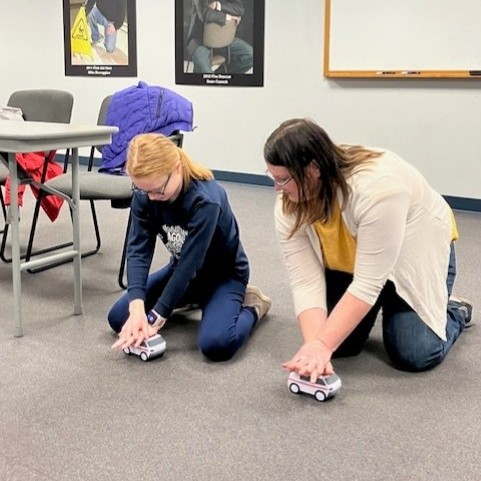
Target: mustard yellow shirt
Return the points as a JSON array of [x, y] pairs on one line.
[[338, 245]]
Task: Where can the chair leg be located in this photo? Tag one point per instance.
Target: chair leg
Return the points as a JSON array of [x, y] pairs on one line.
[[33, 227], [3, 245], [124, 253], [49, 157], [30, 252], [4, 242], [60, 246]]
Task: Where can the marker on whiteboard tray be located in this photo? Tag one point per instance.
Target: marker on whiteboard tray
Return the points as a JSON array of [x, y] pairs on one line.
[[386, 72], [411, 72], [475, 73]]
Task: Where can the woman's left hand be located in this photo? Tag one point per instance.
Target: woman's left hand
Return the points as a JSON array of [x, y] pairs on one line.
[[312, 359]]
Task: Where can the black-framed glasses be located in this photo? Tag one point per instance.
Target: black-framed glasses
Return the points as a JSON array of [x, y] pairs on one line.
[[160, 191], [280, 183]]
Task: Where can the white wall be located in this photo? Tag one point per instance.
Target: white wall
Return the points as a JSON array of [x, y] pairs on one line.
[[433, 124]]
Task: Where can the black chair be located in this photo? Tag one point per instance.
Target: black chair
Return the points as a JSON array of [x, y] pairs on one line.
[[43, 105]]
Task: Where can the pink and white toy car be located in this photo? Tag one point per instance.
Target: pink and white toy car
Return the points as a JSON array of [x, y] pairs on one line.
[[149, 348], [324, 388]]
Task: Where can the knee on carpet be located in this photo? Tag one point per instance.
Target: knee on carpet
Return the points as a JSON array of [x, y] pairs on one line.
[[216, 349], [414, 357]]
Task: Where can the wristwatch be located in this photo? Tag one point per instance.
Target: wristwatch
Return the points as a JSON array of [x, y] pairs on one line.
[[155, 319]]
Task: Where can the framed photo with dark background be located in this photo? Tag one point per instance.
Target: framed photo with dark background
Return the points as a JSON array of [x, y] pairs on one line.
[[219, 43], [90, 48]]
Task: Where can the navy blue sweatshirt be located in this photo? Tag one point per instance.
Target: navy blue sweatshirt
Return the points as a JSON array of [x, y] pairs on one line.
[[200, 232]]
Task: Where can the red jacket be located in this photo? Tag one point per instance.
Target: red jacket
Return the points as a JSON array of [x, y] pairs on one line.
[[32, 163]]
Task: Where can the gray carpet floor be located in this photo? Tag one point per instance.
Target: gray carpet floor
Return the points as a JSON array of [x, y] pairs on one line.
[[73, 409]]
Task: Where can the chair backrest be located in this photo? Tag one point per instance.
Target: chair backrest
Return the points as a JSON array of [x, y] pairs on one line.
[[102, 118], [43, 105], [218, 36], [104, 108]]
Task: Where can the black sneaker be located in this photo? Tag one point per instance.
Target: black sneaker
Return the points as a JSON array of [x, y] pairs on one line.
[[463, 304]]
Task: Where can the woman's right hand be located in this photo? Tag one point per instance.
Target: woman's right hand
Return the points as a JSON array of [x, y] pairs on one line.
[[312, 359]]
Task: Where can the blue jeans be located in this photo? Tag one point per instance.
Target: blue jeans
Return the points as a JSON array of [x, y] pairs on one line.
[[241, 57], [225, 325], [410, 343], [95, 18]]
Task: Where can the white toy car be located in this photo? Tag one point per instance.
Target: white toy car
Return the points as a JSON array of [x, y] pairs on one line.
[[325, 387], [149, 348]]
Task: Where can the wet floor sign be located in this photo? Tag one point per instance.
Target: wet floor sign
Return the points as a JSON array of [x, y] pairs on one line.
[[79, 36]]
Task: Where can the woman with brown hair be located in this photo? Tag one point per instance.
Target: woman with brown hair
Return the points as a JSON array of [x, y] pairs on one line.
[[361, 230], [178, 200]]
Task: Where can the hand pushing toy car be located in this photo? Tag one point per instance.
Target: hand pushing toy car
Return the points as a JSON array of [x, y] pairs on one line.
[[149, 348], [324, 388]]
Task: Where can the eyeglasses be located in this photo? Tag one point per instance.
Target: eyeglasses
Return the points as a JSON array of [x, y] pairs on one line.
[[280, 183], [155, 192]]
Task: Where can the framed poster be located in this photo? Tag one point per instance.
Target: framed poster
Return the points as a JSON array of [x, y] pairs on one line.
[[219, 43], [100, 38]]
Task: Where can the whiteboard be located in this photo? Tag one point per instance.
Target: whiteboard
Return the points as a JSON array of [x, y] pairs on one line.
[[421, 38]]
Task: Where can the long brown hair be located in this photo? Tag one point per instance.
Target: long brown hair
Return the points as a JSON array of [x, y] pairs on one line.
[[154, 155], [298, 143]]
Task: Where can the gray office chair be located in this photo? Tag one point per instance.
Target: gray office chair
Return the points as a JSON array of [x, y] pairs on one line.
[[97, 186], [94, 186], [42, 105]]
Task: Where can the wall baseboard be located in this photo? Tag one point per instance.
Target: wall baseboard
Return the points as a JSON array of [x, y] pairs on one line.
[[463, 203], [239, 177], [457, 203]]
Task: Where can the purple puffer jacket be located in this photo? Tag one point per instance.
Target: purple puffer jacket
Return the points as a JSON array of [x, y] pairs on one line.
[[141, 109]]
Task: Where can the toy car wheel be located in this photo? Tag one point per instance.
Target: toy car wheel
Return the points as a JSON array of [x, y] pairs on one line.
[[320, 396], [294, 388], [126, 350], [144, 356]]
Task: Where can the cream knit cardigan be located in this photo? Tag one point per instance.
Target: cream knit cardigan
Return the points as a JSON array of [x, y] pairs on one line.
[[403, 230]]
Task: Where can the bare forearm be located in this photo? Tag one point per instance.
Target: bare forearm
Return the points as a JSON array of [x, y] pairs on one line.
[[312, 322], [344, 318], [136, 307]]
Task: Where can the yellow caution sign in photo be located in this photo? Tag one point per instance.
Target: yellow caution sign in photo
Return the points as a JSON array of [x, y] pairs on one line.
[[80, 35]]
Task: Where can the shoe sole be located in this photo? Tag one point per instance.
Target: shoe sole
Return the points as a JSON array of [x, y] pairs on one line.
[[260, 294]]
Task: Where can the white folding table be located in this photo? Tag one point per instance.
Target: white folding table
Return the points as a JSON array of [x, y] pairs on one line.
[[25, 137]]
